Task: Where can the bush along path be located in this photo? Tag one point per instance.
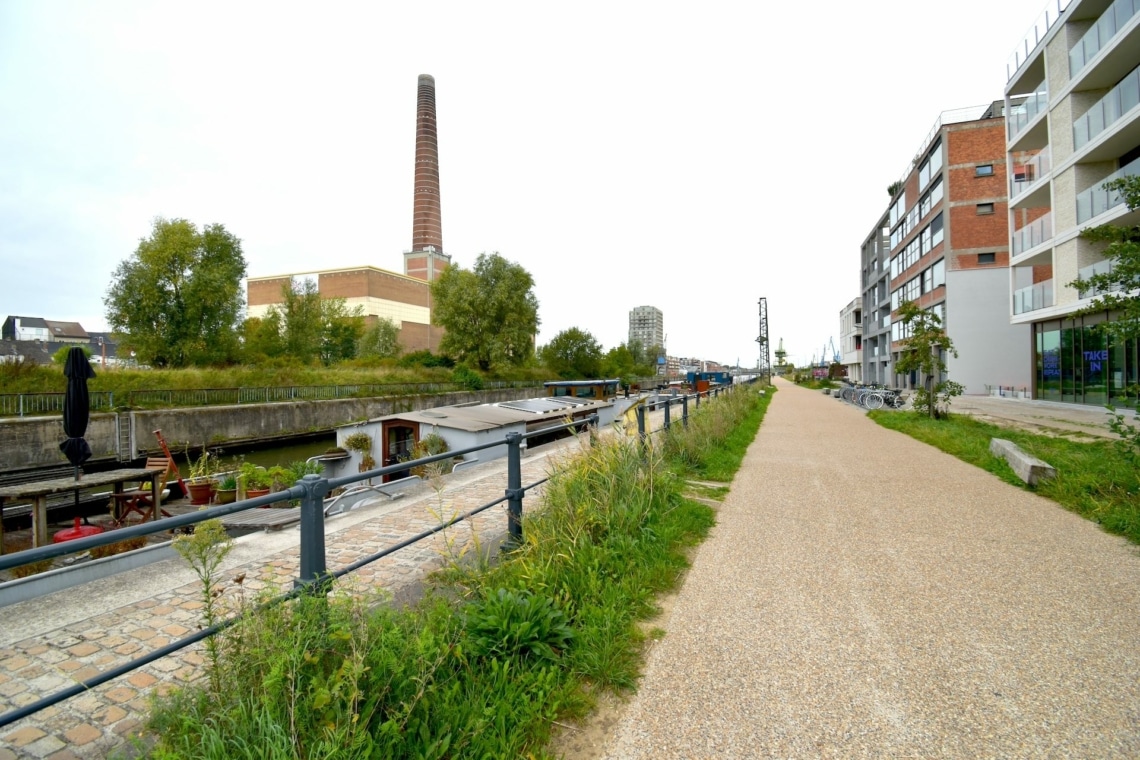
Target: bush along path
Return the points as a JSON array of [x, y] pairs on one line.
[[496, 652]]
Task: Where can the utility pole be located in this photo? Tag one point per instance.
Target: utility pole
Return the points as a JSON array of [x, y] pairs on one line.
[[764, 364]]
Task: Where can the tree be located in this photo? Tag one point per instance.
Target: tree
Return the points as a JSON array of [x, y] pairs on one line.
[[626, 361], [380, 339], [1118, 287], [923, 352], [312, 328], [490, 314], [178, 300], [573, 354]]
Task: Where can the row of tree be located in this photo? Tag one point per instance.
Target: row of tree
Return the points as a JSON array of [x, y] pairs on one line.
[[178, 302]]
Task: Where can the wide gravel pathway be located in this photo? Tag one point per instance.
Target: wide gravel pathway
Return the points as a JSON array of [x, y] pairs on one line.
[[865, 595]]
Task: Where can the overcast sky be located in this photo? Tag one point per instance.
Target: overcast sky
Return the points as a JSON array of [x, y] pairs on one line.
[[692, 156]]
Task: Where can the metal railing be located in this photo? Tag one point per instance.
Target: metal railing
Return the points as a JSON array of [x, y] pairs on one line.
[[1033, 297], [314, 576], [1033, 234], [24, 404], [1035, 36]]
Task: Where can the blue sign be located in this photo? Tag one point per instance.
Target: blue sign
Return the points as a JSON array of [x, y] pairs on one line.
[[1096, 360]]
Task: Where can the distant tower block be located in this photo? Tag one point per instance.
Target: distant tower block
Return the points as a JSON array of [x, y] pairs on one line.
[[426, 260]]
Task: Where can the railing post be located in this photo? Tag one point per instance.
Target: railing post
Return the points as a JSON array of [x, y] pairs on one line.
[[698, 399], [641, 422], [514, 490], [668, 403], [313, 570], [684, 411]]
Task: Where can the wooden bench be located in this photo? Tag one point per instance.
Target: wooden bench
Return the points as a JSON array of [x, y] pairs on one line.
[[1028, 467]]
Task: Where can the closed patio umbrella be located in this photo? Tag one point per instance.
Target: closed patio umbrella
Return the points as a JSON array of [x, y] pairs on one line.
[[76, 410]]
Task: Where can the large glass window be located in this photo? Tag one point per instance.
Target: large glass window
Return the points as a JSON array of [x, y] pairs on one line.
[[936, 229], [1049, 361], [1094, 365]]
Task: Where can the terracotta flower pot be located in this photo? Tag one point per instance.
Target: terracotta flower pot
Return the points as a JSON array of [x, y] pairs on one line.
[[200, 493]]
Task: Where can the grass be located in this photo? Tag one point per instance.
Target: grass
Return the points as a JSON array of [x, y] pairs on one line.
[[1094, 479], [731, 424], [497, 651]]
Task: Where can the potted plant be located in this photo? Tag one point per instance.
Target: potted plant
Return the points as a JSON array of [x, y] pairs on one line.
[[362, 443], [199, 483], [257, 480], [227, 490]]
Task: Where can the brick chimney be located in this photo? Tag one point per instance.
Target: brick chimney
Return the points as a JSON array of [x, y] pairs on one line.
[[426, 260]]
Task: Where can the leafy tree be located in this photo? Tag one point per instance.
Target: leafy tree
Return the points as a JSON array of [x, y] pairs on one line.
[[923, 352], [305, 327], [1118, 287], [261, 337], [626, 361], [572, 354], [381, 339], [60, 356], [490, 313], [178, 300]]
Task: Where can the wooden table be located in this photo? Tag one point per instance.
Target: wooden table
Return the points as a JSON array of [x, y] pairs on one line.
[[39, 491]]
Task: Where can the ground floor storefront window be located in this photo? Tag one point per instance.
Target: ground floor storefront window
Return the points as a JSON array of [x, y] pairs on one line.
[[1077, 363]]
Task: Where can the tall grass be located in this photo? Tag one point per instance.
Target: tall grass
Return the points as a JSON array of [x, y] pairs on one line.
[[1094, 479], [712, 445], [496, 651]]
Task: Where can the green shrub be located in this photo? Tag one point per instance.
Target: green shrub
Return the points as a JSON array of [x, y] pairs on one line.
[[517, 624]]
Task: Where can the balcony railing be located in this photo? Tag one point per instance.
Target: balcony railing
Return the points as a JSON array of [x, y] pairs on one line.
[[1101, 33], [1033, 234], [1027, 173], [1034, 36], [1120, 100], [1034, 297], [1021, 114], [1084, 273], [1096, 200]]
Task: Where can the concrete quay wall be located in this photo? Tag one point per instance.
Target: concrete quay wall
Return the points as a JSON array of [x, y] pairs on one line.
[[34, 441]]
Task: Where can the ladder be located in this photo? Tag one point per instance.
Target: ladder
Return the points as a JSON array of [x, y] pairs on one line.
[[123, 425], [173, 464]]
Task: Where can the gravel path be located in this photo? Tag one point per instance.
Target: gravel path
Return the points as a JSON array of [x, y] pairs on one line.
[[865, 595]]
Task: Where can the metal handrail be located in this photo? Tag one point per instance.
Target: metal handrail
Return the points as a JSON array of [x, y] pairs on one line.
[[314, 578]]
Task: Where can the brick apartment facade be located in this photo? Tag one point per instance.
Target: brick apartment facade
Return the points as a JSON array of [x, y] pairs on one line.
[[948, 241]]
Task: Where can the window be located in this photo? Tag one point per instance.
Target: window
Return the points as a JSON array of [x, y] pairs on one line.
[[984, 170], [939, 270], [930, 167], [985, 208], [936, 230], [986, 258]]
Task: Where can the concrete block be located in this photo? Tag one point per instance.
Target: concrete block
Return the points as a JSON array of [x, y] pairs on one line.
[[1029, 468]]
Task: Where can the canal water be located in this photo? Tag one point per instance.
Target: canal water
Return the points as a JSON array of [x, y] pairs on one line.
[[268, 456]]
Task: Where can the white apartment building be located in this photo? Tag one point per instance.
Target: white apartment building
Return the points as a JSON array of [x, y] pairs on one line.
[[1073, 123], [647, 325], [851, 339]]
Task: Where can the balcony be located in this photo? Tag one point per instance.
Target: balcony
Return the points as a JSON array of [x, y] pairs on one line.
[[1101, 33], [1033, 234], [1084, 273], [1024, 174], [1034, 36], [1096, 200], [1107, 111], [1039, 296], [1021, 114]]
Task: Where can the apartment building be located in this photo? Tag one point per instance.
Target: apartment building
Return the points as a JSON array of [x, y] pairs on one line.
[[1073, 104], [851, 340], [647, 325], [949, 249], [876, 279]]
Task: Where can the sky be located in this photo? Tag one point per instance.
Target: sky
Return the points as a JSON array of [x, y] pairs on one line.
[[695, 157]]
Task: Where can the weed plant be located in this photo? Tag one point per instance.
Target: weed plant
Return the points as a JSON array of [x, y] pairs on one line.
[[1095, 479], [490, 658], [712, 445]]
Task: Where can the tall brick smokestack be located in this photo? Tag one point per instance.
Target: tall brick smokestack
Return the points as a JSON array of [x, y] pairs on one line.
[[427, 223]]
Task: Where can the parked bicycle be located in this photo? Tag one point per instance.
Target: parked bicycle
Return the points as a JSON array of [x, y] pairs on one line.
[[873, 396]]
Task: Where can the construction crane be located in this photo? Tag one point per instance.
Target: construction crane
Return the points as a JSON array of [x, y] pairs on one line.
[[834, 351]]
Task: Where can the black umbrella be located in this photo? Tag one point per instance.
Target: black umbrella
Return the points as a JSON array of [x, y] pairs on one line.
[[76, 409]]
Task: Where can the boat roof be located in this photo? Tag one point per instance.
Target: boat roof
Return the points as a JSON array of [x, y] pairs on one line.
[[477, 417]]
